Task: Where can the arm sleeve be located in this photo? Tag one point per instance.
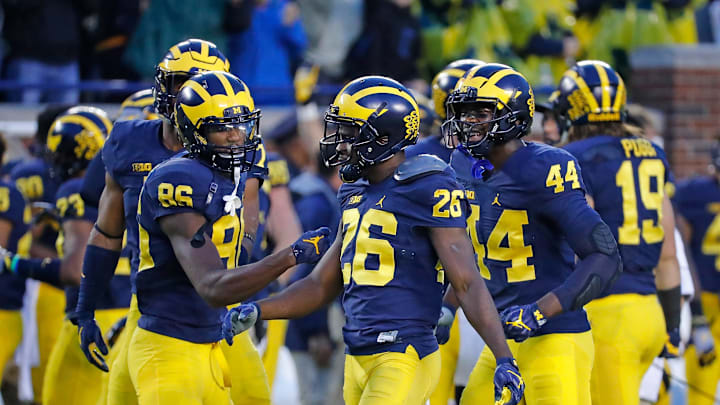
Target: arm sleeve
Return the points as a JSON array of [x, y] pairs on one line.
[[599, 260], [94, 181], [594, 244]]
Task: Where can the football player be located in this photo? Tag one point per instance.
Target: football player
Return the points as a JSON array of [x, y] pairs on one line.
[[138, 106], [189, 236], [625, 178], [443, 83], [14, 234], [134, 148], [74, 138], [528, 220], [698, 205], [32, 178], [399, 217]]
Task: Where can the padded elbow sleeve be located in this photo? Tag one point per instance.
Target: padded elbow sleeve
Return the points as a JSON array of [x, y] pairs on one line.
[[599, 268]]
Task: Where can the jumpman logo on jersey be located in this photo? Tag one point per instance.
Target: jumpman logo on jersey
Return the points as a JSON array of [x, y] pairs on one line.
[[518, 323], [496, 201], [380, 203], [314, 240]]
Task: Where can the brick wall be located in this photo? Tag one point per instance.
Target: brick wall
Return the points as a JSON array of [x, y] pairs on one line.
[[684, 84]]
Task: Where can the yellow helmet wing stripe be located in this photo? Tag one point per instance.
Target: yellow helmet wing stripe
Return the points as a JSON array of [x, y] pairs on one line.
[[204, 49], [379, 90], [226, 84], [199, 89], [584, 90], [605, 87], [175, 51], [620, 95]]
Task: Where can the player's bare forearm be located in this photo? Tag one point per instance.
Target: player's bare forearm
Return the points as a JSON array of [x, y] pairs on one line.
[[251, 212], [451, 298], [76, 237], [310, 293], [206, 271], [667, 275], [111, 217], [457, 256], [479, 308]]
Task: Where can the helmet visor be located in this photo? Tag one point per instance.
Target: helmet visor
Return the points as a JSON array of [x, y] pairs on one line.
[[336, 145]]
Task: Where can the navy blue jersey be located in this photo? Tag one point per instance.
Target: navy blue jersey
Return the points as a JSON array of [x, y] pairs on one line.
[[70, 206], [521, 223], [698, 201], [626, 178], [14, 210], [432, 145], [94, 181], [130, 152], [167, 300], [8, 167], [33, 179], [392, 285]]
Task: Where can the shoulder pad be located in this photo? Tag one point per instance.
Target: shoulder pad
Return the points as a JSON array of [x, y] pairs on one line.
[[419, 166]]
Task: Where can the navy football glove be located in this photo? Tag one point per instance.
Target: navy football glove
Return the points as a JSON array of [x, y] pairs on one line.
[[91, 339], [239, 319], [521, 321], [672, 345], [509, 385], [703, 340], [311, 245], [442, 330]]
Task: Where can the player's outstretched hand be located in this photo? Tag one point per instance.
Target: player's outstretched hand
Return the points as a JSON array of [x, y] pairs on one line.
[[509, 385], [239, 319], [521, 321], [91, 340], [702, 338], [311, 245], [442, 331], [671, 349]]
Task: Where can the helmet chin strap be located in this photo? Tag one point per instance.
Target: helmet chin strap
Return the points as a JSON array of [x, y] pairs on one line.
[[351, 173], [232, 201]]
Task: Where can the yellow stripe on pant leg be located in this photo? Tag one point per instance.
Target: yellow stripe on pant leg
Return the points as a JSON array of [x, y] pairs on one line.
[[50, 315], [445, 389], [247, 374], [10, 336]]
